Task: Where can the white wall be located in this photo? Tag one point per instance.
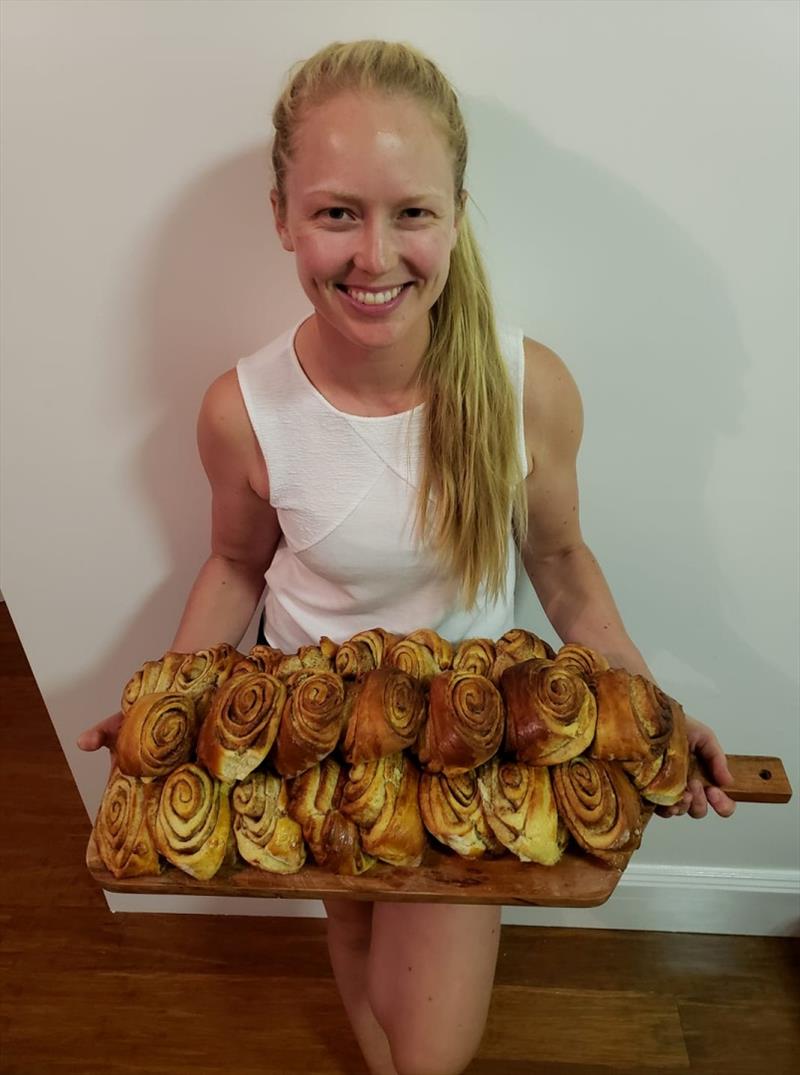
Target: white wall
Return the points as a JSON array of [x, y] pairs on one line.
[[635, 168]]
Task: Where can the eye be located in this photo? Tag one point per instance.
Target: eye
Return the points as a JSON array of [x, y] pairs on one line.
[[342, 209]]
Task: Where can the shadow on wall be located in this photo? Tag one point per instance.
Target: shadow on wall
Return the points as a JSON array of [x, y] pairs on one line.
[[610, 282]]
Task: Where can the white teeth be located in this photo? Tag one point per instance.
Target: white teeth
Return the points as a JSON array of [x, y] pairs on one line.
[[373, 298]]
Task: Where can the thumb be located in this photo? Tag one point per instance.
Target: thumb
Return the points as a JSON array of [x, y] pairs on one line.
[[713, 755], [91, 740]]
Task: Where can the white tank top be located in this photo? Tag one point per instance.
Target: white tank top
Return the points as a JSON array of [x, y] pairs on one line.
[[344, 488]]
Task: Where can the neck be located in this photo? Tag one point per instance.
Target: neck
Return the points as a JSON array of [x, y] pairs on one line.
[[370, 381]]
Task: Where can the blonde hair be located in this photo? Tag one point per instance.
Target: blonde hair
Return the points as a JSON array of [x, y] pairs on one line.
[[471, 464]]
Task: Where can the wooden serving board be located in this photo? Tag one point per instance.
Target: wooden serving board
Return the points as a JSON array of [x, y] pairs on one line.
[[577, 880]]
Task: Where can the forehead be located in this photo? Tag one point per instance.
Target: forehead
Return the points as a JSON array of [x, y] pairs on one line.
[[353, 140]]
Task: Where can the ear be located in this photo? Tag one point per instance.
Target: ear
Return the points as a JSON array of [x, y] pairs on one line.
[[280, 227]]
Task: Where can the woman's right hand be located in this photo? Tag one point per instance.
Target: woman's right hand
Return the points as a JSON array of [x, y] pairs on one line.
[[103, 734]]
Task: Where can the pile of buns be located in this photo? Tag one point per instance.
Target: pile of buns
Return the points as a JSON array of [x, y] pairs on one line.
[[378, 748]]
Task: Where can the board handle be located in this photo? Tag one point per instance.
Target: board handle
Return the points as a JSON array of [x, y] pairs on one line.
[[756, 779]]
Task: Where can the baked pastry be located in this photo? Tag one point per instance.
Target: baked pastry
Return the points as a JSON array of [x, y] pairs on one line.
[[452, 811], [550, 712], [518, 645], [154, 677], [123, 830], [157, 735], [422, 654], [600, 807], [265, 834], [475, 655], [521, 810], [241, 725], [383, 713], [364, 651], [381, 797], [334, 840], [663, 780], [634, 717], [464, 726], [311, 723], [582, 660], [193, 822], [319, 658], [203, 672]]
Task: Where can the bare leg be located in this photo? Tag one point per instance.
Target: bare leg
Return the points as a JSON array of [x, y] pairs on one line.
[[349, 936], [431, 972]]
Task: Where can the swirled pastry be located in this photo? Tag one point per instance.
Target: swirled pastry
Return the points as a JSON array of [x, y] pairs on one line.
[[664, 779], [383, 714], [241, 725], [123, 830], [381, 797], [452, 811], [265, 834], [422, 654], [204, 672], [600, 807], [334, 840], [581, 660], [634, 717], [154, 677], [550, 712], [157, 735], [363, 652], [518, 645], [475, 655], [520, 808], [193, 822], [264, 659], [464, 726], [311, 723], [319, 658]]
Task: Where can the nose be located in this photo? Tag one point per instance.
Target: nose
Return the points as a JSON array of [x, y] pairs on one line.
[[376, 252]]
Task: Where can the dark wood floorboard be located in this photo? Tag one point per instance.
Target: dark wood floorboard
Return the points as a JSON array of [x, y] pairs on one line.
[[85, 991]]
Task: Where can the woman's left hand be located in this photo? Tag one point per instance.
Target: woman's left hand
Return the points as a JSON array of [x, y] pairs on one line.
[[696, 798]]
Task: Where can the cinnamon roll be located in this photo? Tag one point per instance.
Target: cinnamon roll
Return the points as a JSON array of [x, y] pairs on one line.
[[265, 834], [157, 735], [193, 822], [521, 810], [383, 714], [123, 830], [241, 725], [550, 712], [381, 797], [311, 723], [634, 717], [600, 807], [452, 811], [464, 726]]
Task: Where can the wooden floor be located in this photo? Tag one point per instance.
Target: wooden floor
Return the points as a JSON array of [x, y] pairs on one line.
[[85, 991]]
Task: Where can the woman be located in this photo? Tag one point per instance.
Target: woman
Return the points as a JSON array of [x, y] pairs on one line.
[[379, 462]]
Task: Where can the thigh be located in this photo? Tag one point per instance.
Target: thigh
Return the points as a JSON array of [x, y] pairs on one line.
[[349, 920], [430, 977]]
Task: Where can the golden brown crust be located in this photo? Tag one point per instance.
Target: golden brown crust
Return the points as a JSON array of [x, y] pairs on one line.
[[663, 780], [550, 712], [382, 798], [600, 807], [634, 717], [266, 836], [475, 655], [521, 810], [452, 811], [384, 711], [123, 830], [464, 726], [334, 840], [311, 723], [193, 823], [582, 660], [157, 735], [241, 725], [364, 651]]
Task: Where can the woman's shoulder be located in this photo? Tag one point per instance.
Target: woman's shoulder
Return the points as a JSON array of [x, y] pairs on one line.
[[225, 435], [551, 401]]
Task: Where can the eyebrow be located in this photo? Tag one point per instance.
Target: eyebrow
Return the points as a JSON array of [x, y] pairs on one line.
[[341, 196]]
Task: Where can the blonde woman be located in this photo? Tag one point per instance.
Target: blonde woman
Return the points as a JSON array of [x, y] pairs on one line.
[[379, 462]]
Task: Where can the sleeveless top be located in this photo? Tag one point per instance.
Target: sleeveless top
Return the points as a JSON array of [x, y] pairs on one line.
[[344, 488]]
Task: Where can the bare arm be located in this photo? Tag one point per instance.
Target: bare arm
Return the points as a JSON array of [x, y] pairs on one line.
[[244, 526], [568, 580]]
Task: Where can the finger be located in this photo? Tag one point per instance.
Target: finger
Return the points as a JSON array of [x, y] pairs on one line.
[[720, 802], [91, 740], [699, 805]]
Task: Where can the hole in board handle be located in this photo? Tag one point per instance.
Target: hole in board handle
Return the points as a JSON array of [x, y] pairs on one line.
[[765, 774]]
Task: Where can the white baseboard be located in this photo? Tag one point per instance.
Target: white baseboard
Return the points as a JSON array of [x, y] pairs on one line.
[[671, 899]]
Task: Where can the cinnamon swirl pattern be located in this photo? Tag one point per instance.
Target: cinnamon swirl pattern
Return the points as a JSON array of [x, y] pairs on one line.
[[157, 735], [193, 822], [465, 721], [241, 726], [551, 714], [375, 749], [124, 827]]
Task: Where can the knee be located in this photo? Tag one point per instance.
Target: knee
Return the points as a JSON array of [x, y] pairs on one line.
[[434, 1056]]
